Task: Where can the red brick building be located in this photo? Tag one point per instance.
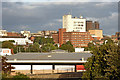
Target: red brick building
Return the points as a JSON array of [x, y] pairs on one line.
[[61, 32], [78, 39], [55, 37], [13, 34]]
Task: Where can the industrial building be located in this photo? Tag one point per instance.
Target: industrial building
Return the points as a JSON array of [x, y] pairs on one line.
[[54, 59]]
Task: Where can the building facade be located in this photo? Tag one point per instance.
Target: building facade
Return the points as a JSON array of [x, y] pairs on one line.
[[78, 39], [116, 36], [92, 25], [55, 37], [26, 33], [49, 32], [14, 34], [74, 24], [3, 33], [96, 33], [18, 40], [46, 34]]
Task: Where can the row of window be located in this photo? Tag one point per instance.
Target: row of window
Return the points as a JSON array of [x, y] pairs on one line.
[[83, 38], [78, 22], [80, 44], [78, 25], [80, 40], [77, 28], [80, 33], [80, 36]]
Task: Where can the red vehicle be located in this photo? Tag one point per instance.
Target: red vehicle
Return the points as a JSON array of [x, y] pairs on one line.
[[80, 68]]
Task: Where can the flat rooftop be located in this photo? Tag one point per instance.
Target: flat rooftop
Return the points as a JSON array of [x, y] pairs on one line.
[[49, 56]]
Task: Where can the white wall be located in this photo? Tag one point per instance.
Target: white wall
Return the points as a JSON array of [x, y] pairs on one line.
[[41, 67], [19, 41], [70, 25], [79, 49], [4, 52]]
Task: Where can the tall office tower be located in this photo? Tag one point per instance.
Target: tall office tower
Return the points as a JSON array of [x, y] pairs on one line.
[[96, 25], [92, 25], [89, 25], [74, 24]]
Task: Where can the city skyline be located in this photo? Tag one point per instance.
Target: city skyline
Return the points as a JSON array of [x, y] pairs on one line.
[[35, 17]]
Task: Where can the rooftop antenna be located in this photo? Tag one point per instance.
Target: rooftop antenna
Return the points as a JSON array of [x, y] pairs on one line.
[[81, 16], [70, 13]]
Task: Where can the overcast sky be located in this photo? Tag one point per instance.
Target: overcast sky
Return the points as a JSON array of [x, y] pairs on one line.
[[36, 16]]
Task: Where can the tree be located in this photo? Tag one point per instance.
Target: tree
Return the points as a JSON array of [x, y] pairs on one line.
[[103, 63], [34, 47], [20, 75], [6, 67], [9, 44], [48, 47], [90, 47], [68, 46], [0, 44], [43, 41]]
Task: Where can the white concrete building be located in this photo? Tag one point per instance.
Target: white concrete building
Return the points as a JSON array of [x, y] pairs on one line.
[[5, 51], [26, 33], [74, 24], [3, 33], [18, 41], [79, 49]]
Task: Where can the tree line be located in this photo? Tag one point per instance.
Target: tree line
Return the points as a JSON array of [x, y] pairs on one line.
[[104, 63], [40, 44]]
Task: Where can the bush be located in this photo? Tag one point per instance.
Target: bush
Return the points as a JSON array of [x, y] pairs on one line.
[[20, 75]]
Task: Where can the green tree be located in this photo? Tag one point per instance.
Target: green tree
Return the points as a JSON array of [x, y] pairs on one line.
[[9, 44], [0, 44], [90, 47], [48, 47], [68, 46], [103, 63], [34, 47], [20, 75], [43, 41]]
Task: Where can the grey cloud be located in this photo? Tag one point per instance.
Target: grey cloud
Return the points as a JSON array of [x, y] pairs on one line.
[[60, 0], [48, 16]]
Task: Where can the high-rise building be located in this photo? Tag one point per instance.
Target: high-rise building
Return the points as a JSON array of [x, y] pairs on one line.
[[89, 25], [96, 24], [92, 25], [74, 24]]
